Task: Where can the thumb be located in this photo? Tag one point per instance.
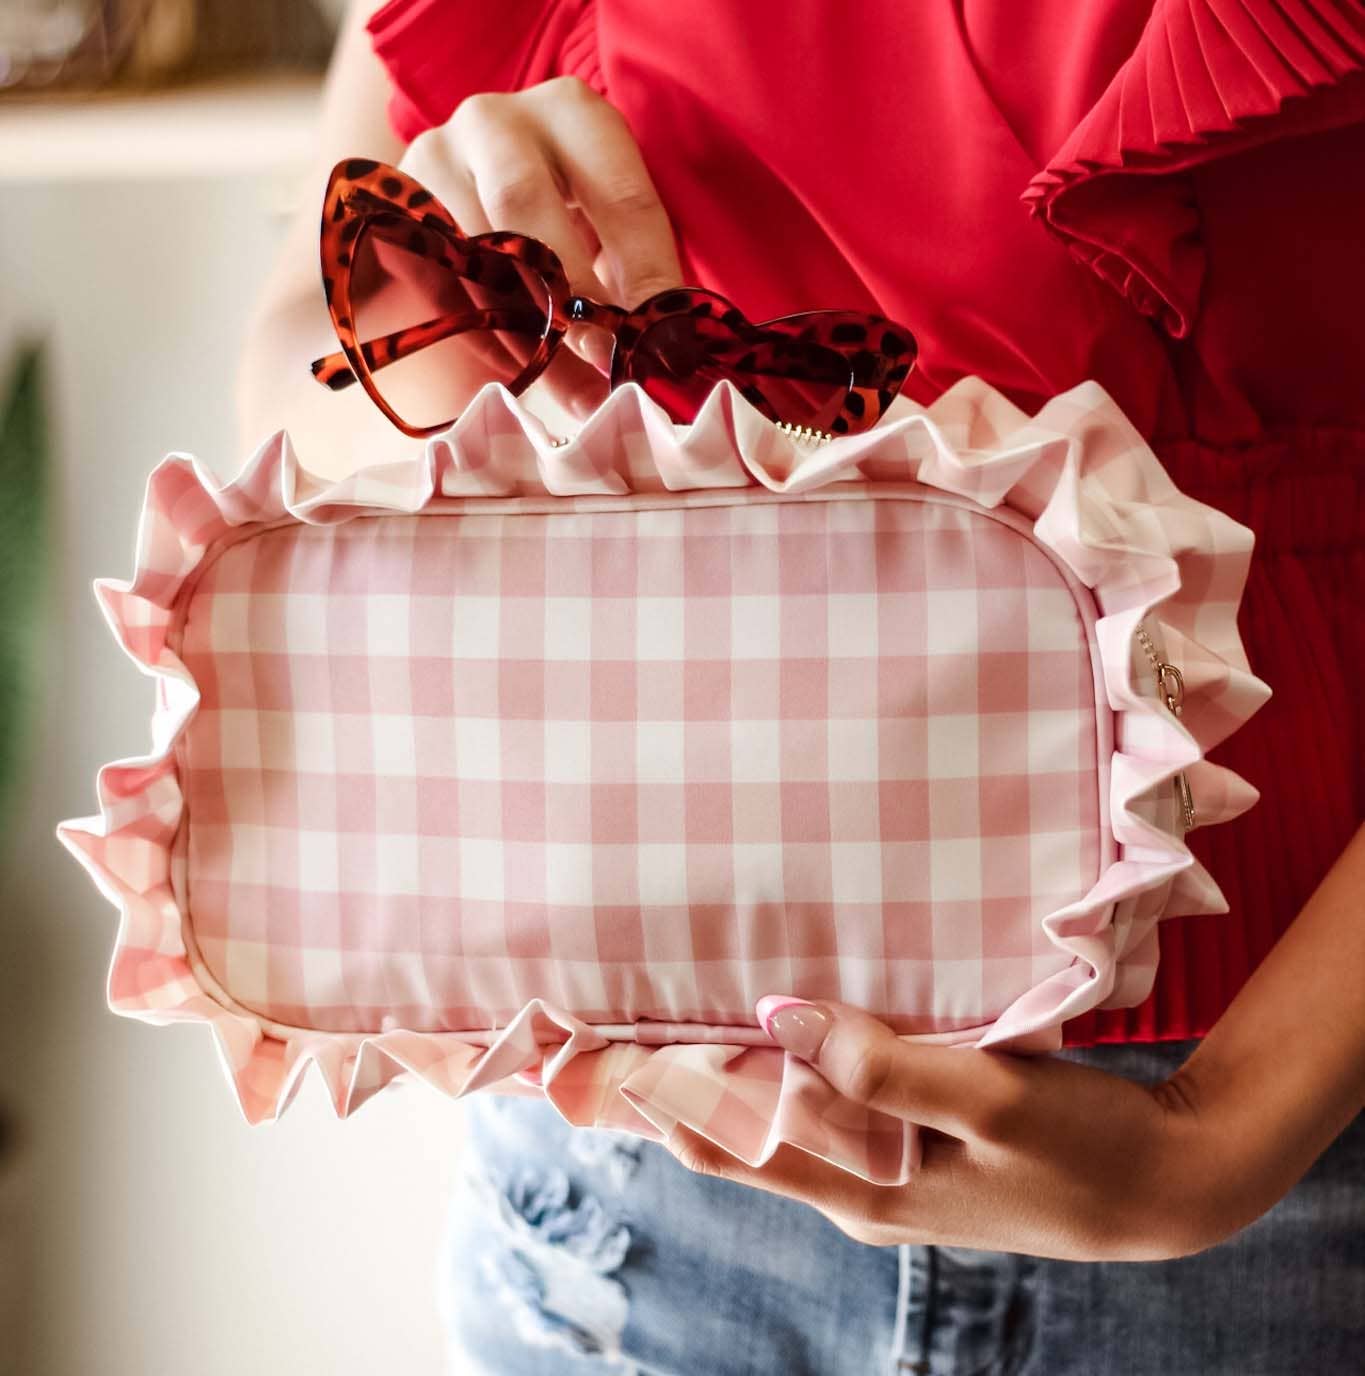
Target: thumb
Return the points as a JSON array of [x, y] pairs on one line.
[[952, 1089]]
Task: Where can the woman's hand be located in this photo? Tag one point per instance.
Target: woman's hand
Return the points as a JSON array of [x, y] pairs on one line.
[[1026, 1154], [559, 163], [1054, 1159], [555, 161]]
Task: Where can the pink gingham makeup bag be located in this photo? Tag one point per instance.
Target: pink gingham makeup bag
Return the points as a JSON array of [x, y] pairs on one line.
[[531, 767]]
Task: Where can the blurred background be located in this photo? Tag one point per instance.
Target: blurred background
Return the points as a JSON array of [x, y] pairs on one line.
[[150, 153]]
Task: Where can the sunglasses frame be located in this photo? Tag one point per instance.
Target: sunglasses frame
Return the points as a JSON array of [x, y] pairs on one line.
[[362, 190]]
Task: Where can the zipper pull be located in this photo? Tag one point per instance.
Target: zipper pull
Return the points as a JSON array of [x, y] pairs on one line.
[[1170, 687], [1171, 684]]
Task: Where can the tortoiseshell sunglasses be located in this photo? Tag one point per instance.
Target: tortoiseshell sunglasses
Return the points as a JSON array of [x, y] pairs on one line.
[[426, 316]]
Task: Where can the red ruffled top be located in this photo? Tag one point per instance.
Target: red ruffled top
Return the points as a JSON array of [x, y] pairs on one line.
[[1166, 198]]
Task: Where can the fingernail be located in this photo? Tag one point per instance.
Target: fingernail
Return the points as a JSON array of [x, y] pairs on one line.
[[596, 348], [796, 1024]]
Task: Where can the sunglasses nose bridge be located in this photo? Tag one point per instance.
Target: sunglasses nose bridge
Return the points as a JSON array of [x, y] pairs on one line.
[[583, 310]]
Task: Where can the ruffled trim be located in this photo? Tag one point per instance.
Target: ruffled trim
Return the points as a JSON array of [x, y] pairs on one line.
[[1208, 78], [1099, 501]]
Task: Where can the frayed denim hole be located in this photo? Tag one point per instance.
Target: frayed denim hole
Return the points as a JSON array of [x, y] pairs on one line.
[[616, 1154], [556, 1276]]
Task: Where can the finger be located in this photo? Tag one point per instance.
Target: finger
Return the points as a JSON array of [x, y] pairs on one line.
[[789, 1172], [432, 160], [520, 190], [954, 1089], [589, 236], [575, 385], [606, 173], [441, 161], [519, 186]]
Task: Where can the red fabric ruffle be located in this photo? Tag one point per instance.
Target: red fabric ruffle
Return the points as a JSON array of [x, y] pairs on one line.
[[1208, 79]]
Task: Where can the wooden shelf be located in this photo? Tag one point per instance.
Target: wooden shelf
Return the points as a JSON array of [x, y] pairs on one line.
[[207, 130]]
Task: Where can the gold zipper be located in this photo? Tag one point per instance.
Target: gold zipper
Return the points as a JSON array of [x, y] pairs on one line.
[[804, 433], [1170, 687]]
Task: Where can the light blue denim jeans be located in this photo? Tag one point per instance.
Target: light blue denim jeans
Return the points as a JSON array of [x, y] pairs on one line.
[[577, 1252]]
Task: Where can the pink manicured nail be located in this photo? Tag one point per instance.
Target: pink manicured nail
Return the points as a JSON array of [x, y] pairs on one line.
[[796, 1024]]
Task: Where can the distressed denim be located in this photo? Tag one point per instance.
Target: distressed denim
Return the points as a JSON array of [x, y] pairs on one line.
[[575, 1252]]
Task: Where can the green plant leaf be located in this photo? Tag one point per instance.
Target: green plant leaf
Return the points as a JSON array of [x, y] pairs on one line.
[[24, 440]]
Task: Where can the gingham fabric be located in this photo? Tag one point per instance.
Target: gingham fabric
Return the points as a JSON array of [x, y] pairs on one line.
[[648, 764], [555, 760]]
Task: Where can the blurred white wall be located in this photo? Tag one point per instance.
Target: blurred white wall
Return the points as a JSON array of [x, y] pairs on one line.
[[167, 1237]]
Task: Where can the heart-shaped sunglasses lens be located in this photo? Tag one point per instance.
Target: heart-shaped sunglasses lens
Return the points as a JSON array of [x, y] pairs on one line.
[[436, 322], [680, 358]]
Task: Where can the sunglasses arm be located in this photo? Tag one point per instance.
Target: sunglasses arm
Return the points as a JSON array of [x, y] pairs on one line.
[[335, 372]]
